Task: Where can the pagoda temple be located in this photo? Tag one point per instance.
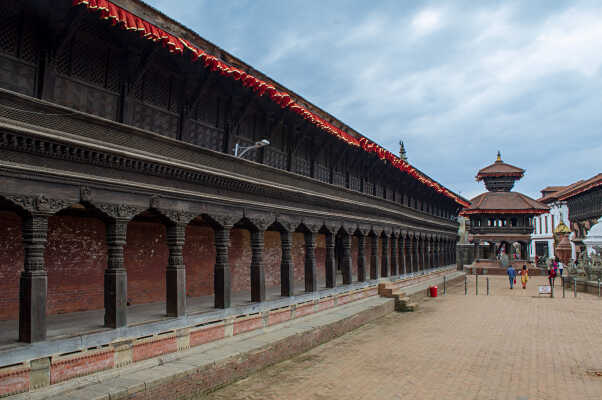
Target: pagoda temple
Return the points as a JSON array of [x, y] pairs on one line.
[[501, 221]]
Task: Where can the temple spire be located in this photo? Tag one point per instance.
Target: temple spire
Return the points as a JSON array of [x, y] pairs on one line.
[[499, 157], [402, 151]]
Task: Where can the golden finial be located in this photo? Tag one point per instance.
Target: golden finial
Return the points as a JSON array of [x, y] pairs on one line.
[[499, 156]]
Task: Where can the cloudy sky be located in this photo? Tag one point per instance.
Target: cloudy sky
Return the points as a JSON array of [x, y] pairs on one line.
[[456, 81]]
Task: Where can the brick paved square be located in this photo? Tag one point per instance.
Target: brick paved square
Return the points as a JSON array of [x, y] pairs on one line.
[[510, 345]]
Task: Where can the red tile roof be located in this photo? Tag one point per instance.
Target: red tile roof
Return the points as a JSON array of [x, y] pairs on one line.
[[554, 192], [504, 203], [500, 168], [581, 186]]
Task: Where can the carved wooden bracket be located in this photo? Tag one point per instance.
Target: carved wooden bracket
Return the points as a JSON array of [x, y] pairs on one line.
[[178, 217], [119, 211], [377, 230], [39, 204]]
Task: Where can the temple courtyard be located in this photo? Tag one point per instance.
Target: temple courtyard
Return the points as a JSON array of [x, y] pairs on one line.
[[513, 344]]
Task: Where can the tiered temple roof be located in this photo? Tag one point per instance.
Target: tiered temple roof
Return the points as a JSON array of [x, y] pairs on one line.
[[499, 179]]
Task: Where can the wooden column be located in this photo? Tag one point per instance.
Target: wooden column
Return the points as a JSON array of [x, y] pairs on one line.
[[423, 249], [361, 256], [331, 270], [175, 275], [287, 268], [34, 280], [404, 253], [374, 257], [257, 265], [394, 254], [411, 253], [384, 269], [222, 274], [346, 265], [419, 260], [429, 253], [311, 278], [115, 280]]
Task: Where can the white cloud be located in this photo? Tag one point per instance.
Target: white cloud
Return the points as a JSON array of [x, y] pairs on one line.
[[427, 21]]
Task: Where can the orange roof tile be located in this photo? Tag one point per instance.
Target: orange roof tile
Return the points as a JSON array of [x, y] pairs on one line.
[[581, 187], [505, 203]]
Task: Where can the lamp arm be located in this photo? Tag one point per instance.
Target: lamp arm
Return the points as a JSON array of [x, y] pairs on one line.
[[242, 153]]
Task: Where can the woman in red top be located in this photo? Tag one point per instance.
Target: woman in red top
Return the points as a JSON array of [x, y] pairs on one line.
[[552, 273]]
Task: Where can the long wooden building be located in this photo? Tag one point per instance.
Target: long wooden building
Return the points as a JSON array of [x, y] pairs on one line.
[[119, 190]]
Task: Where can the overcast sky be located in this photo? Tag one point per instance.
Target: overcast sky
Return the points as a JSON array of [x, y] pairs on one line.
[[456, 81]]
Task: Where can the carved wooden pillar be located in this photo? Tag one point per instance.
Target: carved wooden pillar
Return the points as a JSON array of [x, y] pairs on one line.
[[394, 255], [257, 267], [361, 256], [34, 280], [287, 282], [115, 281], [374, 256], [404, 253], [384, 268], [331, 271], [427, 245], [346, 265], [175, 275], [311, 278], [425, 254], [222, 275], [418, 259]]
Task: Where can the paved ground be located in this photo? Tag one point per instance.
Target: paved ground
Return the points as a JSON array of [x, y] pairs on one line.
[[511, 345]]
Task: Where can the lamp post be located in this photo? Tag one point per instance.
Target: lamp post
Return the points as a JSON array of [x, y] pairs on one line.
[[240, 151]]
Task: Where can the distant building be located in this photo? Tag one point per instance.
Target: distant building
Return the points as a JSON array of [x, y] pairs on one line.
[[584, 202], [578, 206], [544, 225]]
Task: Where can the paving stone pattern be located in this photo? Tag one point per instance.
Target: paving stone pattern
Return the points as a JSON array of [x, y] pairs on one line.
[[513, 345]]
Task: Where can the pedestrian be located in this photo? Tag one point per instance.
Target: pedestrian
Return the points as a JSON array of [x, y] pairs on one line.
[[560, 268], [511, 275], [552, 275], [524, 276]]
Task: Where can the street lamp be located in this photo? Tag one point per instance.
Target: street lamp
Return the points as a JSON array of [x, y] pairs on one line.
[[240, 151]]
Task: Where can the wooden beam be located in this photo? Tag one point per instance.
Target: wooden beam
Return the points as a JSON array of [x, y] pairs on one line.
[[242, 113], [199, 92], [300, 138], [72, 23], [145, 61]]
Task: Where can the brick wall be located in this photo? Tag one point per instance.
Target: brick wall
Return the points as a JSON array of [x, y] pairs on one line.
[[76, 261], [199, 258], [145, 260], [11, 264]]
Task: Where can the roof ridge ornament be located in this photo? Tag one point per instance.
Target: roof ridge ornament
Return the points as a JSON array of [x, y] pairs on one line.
[[499, 157]]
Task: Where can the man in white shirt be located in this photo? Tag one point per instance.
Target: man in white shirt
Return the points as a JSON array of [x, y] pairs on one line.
[[560, 267]]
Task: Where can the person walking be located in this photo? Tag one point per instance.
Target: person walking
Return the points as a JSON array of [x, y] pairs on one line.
[[552, 274], [524, 276], [511, 275], [560, 268]]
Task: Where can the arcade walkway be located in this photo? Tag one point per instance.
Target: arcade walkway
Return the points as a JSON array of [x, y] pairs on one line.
[[511, 345]]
